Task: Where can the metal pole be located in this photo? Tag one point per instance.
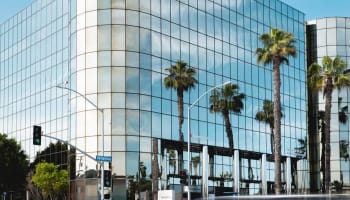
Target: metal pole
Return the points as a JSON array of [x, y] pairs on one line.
[[103, 154], [188, 134], [102, 127], [188, 153]]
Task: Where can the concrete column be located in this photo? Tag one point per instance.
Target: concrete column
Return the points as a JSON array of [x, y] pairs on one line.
[[288, 175], [263, 175], [236, 171], [205, 171]]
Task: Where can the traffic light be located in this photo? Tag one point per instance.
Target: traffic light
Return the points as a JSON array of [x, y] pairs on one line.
[[37, 135], [107, 179], [183, 177]]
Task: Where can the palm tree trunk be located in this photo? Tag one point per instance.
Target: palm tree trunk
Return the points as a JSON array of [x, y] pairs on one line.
[[155, 169], [327, 119], [323, 153], [225, 113], [277, 122], [180, 107]]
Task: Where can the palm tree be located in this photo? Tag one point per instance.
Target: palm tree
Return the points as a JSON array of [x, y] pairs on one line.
[[225, 100], [331, 75], [321, 127], [278, 45], [266, 115], [180, 78]]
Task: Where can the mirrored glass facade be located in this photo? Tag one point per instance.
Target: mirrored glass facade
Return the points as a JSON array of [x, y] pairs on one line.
[[330, 37], [115, 53]]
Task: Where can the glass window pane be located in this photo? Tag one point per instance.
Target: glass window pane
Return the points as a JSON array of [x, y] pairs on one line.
[[104, 38], [118, 16], [118, 122], [104, 79], [91, 35], [132, 38], [104, 17], [132, 122], [132, 18], [118, 79], [118, 39], [132, 80]]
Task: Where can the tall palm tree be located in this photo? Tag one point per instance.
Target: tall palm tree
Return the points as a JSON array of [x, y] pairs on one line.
[[321, 127], [278, 45], [224, 101], [181, 78], [331, 75], [266, 116]]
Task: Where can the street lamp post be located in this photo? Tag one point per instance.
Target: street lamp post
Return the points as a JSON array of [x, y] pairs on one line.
[[188, 134], [102, 129]]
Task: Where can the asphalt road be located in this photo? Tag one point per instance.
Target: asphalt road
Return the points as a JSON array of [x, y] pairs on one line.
[[286, 197]]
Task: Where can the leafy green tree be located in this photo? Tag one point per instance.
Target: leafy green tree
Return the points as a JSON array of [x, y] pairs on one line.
[[51, 181], [266, 116], [13, 166], [58, 154], [278, 45], [224, 101], [331, 75], [181, 78]]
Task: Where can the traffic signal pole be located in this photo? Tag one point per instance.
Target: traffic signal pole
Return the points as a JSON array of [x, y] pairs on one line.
[[67, 143]]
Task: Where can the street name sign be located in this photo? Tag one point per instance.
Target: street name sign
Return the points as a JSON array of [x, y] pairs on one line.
[[104, 158]]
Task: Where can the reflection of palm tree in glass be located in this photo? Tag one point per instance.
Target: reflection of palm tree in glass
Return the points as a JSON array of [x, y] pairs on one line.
[[172, 160], [301, 152], [266, 116], [225, 100], [195, 161], [181, 78], [142, 170], [344, 153], [343, 149]]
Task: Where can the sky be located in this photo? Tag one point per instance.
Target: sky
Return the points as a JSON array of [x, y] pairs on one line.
[[312, 8], [8, 8]]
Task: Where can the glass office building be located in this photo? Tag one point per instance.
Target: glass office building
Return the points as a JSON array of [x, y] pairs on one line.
[[115, 52], [329, 37]]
